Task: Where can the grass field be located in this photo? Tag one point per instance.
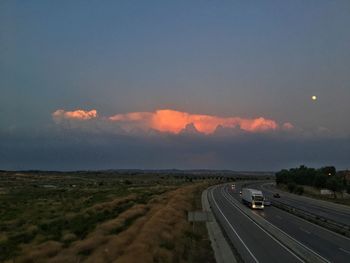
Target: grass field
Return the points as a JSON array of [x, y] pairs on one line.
[[100, 217]]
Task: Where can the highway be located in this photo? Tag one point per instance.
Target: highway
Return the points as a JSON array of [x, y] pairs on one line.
[[335, 212], [255, 244]]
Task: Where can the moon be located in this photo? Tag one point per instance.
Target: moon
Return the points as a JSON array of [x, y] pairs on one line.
[[314, 98]]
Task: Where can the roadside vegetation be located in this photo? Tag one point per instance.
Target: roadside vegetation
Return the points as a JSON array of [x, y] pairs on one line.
[[101, 217], [310, 181]]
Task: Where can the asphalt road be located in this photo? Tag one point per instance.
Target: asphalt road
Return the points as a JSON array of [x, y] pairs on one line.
[[256, 245], [336, 212], [252, 242]]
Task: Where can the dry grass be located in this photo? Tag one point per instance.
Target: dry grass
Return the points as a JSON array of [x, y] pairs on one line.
[[152, 232], [110, 205], [164, 226], [82, 248], [41, 253]]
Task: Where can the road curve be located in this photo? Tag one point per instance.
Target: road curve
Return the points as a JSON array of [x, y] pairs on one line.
[[329, 245], [253, 243]]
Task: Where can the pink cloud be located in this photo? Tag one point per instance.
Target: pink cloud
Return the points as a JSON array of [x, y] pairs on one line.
[[287, 126], [173, 121], [74, 115]]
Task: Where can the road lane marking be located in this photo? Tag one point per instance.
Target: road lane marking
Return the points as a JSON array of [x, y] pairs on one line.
[[344, 250], [233, 229], [317, 226], [301, 244], [272, 237], [316, 203]]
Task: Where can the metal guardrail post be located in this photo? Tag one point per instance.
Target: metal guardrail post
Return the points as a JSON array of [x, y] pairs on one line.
[[319, 220]]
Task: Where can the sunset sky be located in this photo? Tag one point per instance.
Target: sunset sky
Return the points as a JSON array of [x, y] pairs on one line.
[[174, 84]]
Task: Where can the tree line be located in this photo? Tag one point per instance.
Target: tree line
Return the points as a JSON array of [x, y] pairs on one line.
[[325, 177]]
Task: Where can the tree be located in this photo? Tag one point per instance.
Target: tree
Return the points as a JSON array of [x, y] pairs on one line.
[[320, 180], [328, 170], [334, 184], [291, 187], [282, 177]]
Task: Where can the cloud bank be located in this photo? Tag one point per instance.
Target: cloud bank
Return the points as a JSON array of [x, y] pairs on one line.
[[83, 139], [172, 121], [77, 149]]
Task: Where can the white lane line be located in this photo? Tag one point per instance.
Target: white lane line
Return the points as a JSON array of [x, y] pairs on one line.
[[301, 244], [272, 237], [344, 250], [318, 226], [304, 230], [232, 228]]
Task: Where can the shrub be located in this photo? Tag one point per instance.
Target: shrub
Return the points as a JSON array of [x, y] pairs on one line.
[[320, 181], [299, 190], [291, 187], [127, 182]]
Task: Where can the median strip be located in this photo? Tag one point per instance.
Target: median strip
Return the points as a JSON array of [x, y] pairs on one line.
[[316, 219], [298, 248]]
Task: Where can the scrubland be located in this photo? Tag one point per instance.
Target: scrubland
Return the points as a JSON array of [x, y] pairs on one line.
[[100, 217]]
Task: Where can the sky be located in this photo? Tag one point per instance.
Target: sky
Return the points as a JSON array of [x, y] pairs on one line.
[[174, 84]]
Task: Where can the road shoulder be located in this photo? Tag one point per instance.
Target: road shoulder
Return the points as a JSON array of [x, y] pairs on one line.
[[296, 247], [222, 250]]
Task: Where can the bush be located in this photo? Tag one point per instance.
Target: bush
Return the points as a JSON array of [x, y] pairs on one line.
[[307, 176], [335, 184], [291, 187], [320, 181], [299, 190], [127, 182]]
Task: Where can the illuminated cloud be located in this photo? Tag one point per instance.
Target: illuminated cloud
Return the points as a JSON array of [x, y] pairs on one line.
[[168, 121], [59, 115], [173, 121], [287, 126], [129, 122]]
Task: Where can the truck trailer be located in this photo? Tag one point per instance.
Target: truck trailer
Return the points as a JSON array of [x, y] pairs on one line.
[[253, 198]]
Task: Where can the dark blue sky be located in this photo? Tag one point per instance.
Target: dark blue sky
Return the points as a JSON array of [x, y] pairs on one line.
[[245, 59]]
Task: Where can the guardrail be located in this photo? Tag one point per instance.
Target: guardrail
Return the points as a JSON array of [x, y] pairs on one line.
[[313, 218], [327, 223], [299, 249]]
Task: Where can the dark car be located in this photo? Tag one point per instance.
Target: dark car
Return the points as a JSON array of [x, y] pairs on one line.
[[276, 195], [267, 202]]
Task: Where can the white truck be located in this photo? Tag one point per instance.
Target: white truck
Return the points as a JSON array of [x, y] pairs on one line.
[[253, 198]]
